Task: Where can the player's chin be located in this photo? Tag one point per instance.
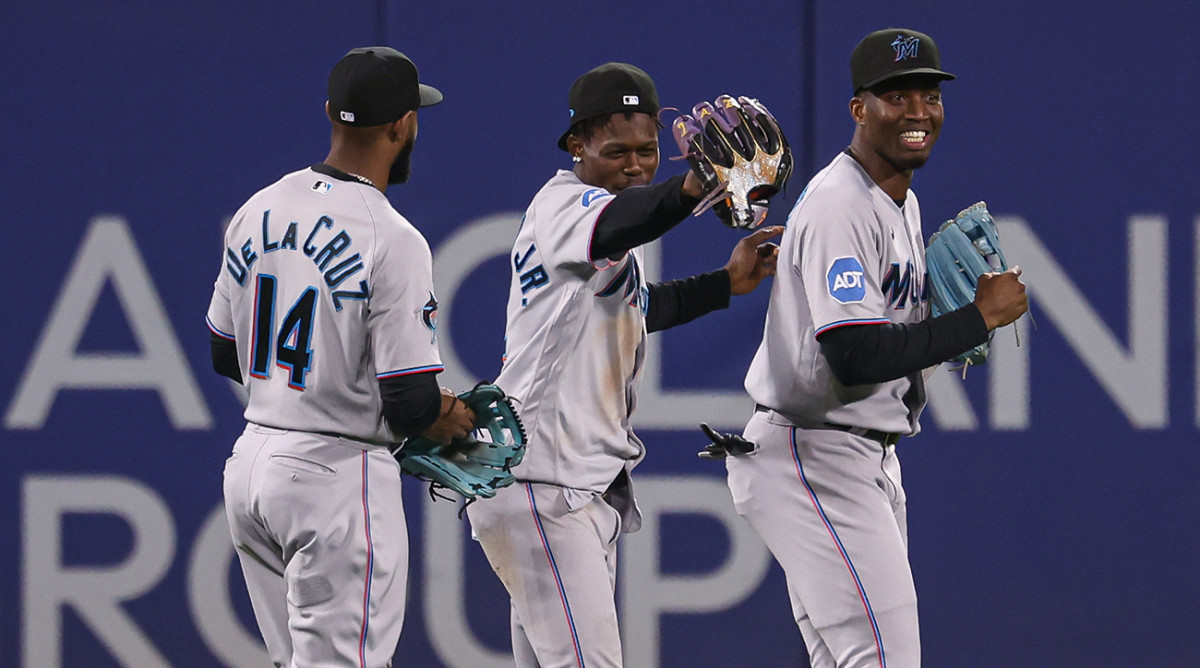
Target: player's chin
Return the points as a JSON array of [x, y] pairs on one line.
[[914, 160]]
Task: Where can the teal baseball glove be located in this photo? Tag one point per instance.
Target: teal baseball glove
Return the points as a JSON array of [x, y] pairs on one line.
[[481, 463]]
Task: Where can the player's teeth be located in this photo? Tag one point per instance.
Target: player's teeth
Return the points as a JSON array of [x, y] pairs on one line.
[[914, 135]]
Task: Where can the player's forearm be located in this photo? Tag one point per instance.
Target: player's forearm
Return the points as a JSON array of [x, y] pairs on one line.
[[867, 354], [640, 215], [411, 404], [225, 357], [676, 302]]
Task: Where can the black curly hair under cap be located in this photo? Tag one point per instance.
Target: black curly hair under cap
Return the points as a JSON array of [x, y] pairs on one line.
[[586, 128]]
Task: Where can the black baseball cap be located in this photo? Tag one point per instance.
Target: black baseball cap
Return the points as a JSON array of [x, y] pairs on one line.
[[894, 52], [608, 89], [375, 85]]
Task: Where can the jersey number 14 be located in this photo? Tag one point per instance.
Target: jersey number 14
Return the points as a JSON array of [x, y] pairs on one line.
[[290, 345]]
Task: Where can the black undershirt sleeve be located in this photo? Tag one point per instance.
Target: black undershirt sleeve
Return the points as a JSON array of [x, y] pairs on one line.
[[676, 302], [224, 357], [640, 215], [866, 354], [412, 403]]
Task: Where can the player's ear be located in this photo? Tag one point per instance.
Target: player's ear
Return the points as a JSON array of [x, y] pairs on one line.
[[327, 112], [404, 127], [858, 109], [574, 146]]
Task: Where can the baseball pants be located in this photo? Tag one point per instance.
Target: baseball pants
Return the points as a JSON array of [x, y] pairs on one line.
[[831, 508], [559, 567], [318, 523]]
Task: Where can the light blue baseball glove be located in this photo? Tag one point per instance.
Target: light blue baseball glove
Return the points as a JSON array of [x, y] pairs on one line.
[[958, 254]]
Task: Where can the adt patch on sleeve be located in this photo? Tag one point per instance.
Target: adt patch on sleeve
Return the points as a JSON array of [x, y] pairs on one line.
[[846, 280]]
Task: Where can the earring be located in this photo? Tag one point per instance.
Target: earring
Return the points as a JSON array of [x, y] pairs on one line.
[[576, 158]]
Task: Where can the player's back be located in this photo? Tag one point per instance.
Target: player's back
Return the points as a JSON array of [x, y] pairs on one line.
[[302, 262]]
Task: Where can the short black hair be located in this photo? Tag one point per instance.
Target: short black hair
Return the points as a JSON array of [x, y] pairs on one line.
[[587, 127]]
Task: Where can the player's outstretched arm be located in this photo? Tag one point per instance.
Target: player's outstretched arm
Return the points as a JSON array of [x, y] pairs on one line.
[[752, 260], [677, 302]]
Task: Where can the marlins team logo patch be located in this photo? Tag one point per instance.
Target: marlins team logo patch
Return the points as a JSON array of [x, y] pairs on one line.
[[906, 47], [846, 280], [429, 316]]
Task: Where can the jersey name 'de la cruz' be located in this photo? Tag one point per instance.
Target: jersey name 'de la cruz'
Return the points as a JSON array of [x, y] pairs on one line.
[[326, 289], [850, 256], [575, 340]]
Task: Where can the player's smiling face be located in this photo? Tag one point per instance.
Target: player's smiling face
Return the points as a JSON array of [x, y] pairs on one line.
[[622, 153], [901, 122]]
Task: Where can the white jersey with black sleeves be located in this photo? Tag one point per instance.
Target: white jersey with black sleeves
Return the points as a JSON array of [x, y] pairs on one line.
[[575, 341], [865, 252], [326, 289]]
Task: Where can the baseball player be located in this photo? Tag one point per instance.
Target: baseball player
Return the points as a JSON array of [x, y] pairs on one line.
[[324, 309], [838, 375], [579, 310]]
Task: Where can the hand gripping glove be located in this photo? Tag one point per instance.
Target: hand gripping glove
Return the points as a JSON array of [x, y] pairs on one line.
[[740, 154], [479, 464], [958, 253]]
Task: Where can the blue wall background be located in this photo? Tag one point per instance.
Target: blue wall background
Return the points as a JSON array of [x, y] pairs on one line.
[[1064, 536]]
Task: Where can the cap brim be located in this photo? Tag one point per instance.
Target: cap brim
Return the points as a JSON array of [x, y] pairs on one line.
[[429, 95], [562, 141], [945, 76]]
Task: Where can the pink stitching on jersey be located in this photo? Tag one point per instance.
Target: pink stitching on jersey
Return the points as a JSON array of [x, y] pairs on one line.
[[846, 323], [408, 372]]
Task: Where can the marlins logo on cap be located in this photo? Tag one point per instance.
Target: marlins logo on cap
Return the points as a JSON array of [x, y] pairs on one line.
[[894, 52]]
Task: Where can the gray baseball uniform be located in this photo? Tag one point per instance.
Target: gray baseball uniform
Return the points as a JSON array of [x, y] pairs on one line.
[[823, 489], [575, 342], [325, 289]]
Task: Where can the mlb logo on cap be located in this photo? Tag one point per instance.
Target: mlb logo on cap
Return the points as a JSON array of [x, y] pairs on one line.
[[347, 116], [609, 89]]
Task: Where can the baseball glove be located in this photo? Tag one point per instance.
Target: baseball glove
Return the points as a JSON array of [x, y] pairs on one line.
[[724, 445], [740, 154], [958, 253], [479, 464]]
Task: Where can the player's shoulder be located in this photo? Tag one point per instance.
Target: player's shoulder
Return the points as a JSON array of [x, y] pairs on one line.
[[842, 190], [392, 228], [565, 189]]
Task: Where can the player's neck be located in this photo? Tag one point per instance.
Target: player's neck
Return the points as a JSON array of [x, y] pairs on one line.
[[893, 180], [359, 165]]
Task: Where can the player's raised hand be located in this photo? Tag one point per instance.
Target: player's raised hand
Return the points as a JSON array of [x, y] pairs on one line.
[[456, 420], [752, 260]]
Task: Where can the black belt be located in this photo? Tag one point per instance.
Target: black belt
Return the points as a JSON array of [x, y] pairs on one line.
[[883, 438]]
